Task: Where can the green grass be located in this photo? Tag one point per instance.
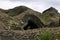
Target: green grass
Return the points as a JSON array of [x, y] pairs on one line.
[[46, 35]]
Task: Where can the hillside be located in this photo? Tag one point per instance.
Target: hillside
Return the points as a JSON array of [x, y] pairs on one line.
[[15, 17], [50, 15], [23, 23]]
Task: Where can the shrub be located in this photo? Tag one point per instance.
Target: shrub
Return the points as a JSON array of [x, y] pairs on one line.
[[12, 25], [46, 35], [15, 27], [58, 35]]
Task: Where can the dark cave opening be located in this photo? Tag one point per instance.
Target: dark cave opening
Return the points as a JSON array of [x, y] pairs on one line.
[[30, 25]]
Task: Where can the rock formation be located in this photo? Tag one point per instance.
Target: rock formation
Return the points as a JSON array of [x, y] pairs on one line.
[[31, 21]]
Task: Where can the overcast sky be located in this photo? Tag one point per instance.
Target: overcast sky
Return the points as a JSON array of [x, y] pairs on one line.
[[38, 5]]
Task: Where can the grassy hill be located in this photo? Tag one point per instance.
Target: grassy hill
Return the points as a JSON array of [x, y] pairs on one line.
[[39, 26], [13, 17]]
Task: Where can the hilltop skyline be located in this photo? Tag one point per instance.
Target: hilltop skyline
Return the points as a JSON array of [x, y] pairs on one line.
[[39, 5]]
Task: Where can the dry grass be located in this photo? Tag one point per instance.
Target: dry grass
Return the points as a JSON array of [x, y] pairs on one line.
[[33, 34]]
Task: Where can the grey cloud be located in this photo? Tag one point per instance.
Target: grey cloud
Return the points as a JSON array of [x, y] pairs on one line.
[[36, 4], [28, 0], [21, 0]]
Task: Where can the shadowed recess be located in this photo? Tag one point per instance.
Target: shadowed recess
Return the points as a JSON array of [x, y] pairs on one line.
[[31, 22]]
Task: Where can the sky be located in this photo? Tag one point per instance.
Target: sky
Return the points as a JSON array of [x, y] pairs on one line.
[[38, 5]]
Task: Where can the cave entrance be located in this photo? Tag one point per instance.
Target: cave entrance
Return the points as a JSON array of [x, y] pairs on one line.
[[30, 25]]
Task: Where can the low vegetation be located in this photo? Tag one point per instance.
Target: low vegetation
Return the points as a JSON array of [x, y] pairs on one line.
[[46, 35], [22, 17]]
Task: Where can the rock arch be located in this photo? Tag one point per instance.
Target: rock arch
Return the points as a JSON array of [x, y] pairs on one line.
[[31, 22]]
